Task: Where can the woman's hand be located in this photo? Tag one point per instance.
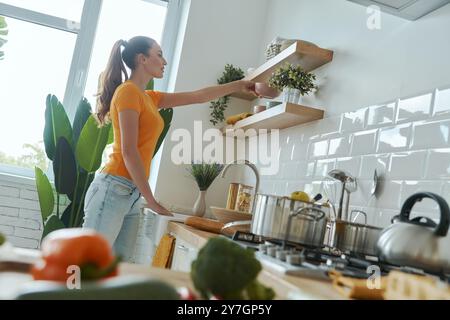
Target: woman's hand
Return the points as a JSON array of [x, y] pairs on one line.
[[157, 208], [248, 87]]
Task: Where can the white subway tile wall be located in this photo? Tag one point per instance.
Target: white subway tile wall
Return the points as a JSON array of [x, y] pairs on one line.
[[406, 140]]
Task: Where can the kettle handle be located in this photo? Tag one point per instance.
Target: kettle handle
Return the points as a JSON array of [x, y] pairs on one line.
[[442, 228]]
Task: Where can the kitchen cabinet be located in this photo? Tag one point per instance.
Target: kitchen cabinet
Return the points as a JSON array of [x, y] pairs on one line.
[[183, 255]]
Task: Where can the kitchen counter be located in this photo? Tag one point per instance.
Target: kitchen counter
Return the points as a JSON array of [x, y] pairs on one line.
[[286, 287]]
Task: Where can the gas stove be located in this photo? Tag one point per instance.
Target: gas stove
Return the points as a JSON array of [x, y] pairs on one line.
[[317, 263]]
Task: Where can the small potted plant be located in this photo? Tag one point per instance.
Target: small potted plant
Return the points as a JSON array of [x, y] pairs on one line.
[[204, 174], [293, 81], [231, 73]]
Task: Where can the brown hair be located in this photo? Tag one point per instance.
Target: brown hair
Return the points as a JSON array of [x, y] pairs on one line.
[[111, 78]]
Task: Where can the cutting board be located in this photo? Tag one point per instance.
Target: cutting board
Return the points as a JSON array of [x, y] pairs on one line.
[[204, 224]]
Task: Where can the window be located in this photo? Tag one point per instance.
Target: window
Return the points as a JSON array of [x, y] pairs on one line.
[[144, 18], [45, 54], [66, 9], [36, 62]]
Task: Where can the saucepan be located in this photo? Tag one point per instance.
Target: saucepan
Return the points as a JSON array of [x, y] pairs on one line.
[[355, 237], [283, 218]]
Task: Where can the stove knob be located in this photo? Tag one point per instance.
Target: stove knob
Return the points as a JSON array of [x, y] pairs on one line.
[[295, 259], [271, 251], [281, 254], [263, 248]]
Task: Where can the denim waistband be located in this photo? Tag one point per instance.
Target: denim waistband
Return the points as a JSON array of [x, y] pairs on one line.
[[123, 180]]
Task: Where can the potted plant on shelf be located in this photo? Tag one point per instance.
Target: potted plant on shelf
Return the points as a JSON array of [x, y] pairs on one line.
[[230, 74], [204, 174], [293, 81]]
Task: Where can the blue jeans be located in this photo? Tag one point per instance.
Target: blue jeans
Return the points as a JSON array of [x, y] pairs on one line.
[[112, 207]]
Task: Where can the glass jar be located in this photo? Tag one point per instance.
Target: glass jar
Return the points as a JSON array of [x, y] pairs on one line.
[[244, 198]]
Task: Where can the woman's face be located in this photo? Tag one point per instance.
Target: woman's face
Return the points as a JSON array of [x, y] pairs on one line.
[[154, 63]]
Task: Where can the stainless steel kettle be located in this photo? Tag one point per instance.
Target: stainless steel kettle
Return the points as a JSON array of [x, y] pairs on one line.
[[417, 244]]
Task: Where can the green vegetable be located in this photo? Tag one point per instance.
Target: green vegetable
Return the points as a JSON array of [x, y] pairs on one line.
[[118, 288], [2, 239], [227, 271], [257, 291]]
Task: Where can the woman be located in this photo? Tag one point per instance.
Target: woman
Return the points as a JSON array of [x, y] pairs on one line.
[[112, 205]]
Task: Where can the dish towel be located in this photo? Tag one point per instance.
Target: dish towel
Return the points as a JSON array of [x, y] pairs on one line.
[[164, 252]]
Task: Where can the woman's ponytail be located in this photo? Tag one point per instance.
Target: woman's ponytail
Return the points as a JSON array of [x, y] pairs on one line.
[[110, 79]]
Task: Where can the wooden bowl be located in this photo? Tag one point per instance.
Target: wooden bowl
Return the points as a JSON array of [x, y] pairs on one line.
[[227, 215]]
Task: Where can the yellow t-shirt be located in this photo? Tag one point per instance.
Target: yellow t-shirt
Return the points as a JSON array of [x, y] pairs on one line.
[[129, 96]]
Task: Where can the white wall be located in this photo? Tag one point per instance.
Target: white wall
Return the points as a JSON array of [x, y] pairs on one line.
[[370, 122], [404, 58], [217, 32]]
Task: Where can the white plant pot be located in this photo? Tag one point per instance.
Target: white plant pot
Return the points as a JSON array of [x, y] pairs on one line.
[[291, 95], [200, 204]]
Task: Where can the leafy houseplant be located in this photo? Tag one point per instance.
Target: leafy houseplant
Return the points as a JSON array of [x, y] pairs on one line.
[[76, 153], [290, 77], [3, 32], [230, 74], [204, 174]]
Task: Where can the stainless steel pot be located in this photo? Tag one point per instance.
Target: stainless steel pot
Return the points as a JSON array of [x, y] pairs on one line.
[[295, 221], [355, 237], [417, 244]]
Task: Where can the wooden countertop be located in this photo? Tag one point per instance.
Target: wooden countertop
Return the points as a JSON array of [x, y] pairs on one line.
[[286, 287]]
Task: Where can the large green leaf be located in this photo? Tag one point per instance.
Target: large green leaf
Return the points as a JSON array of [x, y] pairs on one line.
[[84, 110], [150, 85], [53, 223], [67, 214], [64, 168], [167, 115], [91, 144], [83, 183], [110, 135], [57, 125], [45, 193]]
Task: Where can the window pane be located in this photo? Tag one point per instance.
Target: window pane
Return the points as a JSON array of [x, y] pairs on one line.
[[121, 20], [36, 62], [67, 9]]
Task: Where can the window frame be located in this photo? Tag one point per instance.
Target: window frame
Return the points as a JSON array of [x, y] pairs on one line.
[[85, 30]]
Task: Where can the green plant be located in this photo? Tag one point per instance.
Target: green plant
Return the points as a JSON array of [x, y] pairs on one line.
[[218, 107], [204, 173], [294, 77], [3, 32], [76, 153]]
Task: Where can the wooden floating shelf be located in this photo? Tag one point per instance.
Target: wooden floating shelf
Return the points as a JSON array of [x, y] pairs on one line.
[[279, 117], [302, 53]]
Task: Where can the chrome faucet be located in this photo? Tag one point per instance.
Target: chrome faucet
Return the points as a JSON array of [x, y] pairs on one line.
[[255, 170]]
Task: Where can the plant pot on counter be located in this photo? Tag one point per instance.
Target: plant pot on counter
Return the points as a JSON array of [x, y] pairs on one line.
[[200, 204]]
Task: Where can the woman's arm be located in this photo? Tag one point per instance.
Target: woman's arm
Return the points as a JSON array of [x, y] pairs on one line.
[[170, 100], [129, 124]]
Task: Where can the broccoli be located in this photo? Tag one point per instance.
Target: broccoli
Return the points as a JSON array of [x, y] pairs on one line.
[[228, 271]]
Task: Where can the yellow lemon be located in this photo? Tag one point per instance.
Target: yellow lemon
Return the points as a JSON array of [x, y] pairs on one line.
[[300, 195]]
